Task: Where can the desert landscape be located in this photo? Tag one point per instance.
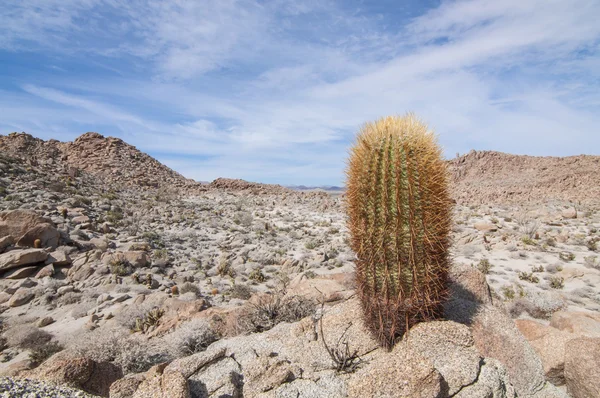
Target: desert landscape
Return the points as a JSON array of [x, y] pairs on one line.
[[121, 278]]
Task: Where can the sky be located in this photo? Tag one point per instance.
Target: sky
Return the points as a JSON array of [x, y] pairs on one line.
[[275, 91]]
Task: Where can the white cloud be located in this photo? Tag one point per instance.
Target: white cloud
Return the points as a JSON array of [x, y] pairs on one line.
[[258, 93]]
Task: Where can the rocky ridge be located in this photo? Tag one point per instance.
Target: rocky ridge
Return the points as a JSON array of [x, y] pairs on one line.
[[484, 177]]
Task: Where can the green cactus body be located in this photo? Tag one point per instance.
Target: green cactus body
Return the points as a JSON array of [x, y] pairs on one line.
[[399, 218]]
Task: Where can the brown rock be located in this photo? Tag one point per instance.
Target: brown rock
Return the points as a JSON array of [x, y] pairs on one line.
[[265, 374], [21, 273], [20, 258], [45, 321], [6, 242], [137, 259], [485, 227], [59, 258], [402, 373], [583, 323], [79, 372], [549, 343], [21, 297], [18, 222], [496, 336], [46, 233], [160, 384], [48, 270], [127, 386], [582, 364]]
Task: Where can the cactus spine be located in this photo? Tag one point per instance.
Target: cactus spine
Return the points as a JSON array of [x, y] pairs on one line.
[[399, 219]]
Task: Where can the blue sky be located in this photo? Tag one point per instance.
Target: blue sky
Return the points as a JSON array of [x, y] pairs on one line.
[[274, 91]]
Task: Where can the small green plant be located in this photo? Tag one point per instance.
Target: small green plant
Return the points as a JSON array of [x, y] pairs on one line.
[[539, 268], [120, 267], [114, 216], [161, 254], [152, 318], [310, 274], [557, 282], [508, 292], [566, 256], [484, 266], [310, 245], [527, 241], [153, 239], [529, 277], [257, 276], [224, 268]]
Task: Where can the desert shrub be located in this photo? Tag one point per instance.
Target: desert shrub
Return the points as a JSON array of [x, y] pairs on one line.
[[529, 277], [554, 268], [154, 240], [539, 268], [272, 309], [81, 309], [592, 244], [508, 292], [243, 292], [557, 282], [243, 218], [257, 276], [44, 351], [310, 245], [484, 266], [566, 256], [527, 241], [224, 268], [114, 216], [150, 319], [188, 287], [69, 298], [120, 267], [133, 353], [551, 242], [191, 337], [27, 337], [160, 254]]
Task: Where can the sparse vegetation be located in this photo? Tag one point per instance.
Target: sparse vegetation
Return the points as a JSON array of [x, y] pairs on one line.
[[566, 256], [557, 282], [484, 266]]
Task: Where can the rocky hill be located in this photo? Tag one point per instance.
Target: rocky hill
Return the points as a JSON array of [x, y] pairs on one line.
[[106, 157], [481, 177]]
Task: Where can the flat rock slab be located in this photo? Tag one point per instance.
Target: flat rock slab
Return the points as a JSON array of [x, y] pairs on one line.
[[20, 258]]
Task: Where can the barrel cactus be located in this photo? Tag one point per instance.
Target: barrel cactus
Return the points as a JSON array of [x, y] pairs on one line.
[[399, 217]]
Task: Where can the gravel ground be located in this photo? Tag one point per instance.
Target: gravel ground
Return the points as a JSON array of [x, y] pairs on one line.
[[25, 388]]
